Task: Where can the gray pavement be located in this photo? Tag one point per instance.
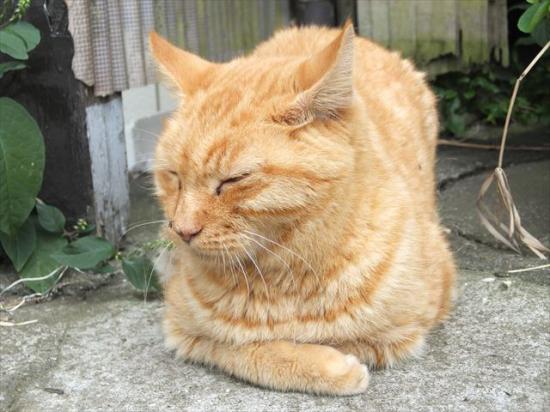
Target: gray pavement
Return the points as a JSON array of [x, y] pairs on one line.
[[102, 350]]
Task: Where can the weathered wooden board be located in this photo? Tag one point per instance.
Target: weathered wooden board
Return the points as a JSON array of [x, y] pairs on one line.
[[438, 34], [105, 130]]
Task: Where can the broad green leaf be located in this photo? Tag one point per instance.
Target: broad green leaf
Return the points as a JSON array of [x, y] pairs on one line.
[[139, 271], [50, 217], [532, 16], [8, 66], [13, 45], [21, 164], [41, 262], [27, 32], [85, 253], [19, 247]]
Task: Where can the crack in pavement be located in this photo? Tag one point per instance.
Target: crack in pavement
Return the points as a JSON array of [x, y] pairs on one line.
[[448, 182], [445, 183]]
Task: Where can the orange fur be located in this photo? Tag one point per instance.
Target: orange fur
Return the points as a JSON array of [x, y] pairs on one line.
[[324, 251]]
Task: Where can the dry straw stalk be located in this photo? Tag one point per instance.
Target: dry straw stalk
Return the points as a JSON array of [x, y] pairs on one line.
[[512, 234]]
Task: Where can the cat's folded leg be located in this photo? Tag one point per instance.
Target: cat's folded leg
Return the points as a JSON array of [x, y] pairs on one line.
[[280, 365], [380, 355]]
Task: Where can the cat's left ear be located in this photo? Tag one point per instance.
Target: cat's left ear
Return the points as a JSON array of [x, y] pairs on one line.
[[325, 81]]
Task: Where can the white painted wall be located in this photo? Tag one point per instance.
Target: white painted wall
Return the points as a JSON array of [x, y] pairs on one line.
[[144, 109]]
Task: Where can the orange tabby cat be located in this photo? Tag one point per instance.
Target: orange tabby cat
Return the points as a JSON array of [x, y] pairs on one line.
[[299, 186]]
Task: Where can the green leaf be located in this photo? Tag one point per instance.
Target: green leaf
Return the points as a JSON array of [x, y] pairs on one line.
[[532, 16], [13, 45], [19, 247], [486, 84], [50, 217], [21, 164], [27, 32], [469, 94], [450, 94], [8, 66], [85, 253], [141, 274], [455, 121], [41, 262]]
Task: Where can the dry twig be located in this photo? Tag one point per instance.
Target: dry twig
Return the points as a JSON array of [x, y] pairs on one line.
[[482, 146], [513, 233], [529, 269]]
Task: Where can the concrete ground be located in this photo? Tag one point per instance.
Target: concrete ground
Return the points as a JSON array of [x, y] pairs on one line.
[[103, 350]]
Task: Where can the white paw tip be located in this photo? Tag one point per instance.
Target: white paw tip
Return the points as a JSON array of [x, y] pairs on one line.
[[352, 360]]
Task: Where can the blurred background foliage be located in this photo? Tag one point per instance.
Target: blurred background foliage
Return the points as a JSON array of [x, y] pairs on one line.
[[481, 95]]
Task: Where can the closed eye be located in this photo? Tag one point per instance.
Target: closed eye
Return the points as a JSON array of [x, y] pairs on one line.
[[175, 175], [230, 181]]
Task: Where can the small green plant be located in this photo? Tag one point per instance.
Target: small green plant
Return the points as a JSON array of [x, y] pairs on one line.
[[482, 95], [32, 233]]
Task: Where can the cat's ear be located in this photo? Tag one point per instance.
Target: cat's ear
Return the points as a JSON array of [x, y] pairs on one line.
[[324, 82], [184, 71]]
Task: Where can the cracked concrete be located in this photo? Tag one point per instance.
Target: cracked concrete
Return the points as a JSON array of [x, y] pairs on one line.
[[102, 350]]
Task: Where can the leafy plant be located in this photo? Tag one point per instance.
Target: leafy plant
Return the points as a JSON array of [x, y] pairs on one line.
[[32, 233], [17, 38], [483, 94], [140, 272], [139, 268], [535, 21]]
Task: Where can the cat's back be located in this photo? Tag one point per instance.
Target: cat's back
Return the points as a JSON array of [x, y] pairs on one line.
[[369, 57], [296, 41]]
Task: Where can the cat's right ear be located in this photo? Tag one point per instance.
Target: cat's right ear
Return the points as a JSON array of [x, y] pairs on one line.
[[184, 71], [324, 82]]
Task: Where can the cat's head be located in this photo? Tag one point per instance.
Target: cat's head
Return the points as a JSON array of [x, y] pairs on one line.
[[256, 144]]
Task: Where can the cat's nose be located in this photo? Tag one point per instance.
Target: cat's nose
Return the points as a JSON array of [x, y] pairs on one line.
[[187, 233]]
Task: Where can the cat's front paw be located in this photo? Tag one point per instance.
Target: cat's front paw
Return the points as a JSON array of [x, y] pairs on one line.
[[345, 375]]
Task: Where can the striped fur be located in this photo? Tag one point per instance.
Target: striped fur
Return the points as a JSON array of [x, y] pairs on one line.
[[325, 252]]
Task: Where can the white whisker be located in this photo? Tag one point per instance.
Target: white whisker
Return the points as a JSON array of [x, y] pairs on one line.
[[245, 278], [138, 129], [288, 250], [143, 224], [150, 277], [277, 256], [257, 268]]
